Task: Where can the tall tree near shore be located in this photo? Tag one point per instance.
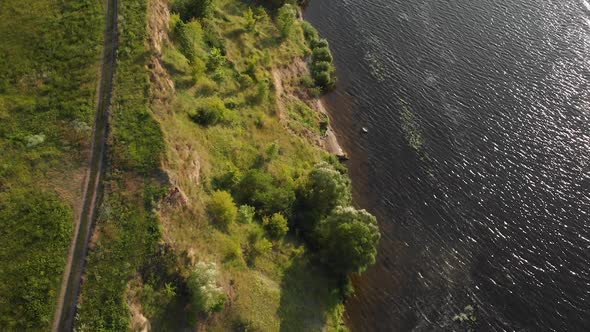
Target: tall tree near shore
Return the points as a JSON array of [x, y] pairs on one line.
[[348, 240]]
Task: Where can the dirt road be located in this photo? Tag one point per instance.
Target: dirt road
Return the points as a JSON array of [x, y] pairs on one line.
[[65, 311]]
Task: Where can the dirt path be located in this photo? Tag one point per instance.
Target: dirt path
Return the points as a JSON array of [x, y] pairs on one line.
[[65, 310]]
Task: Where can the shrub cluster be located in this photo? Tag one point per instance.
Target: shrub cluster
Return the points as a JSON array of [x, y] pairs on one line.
[[322, 67], [345, 238], [205, 294], [212, 112], [286, 16], [319, 208], [191, 9]]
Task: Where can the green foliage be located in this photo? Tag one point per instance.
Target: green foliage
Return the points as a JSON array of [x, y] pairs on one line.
[[310, 33], [34, 239], [130, 235], [323, 190], [256, 246], [216, 59], [323, 79], [259, 189], [190, 9], [211, 112], [185, 42], [222, 210], [276, 226], [136, 138], [262, 92], [321, 54], [250, 20], [246, 214], [348, 240], [272, 151], [285, 20], [322, 69], [320, 43], [206, 296], [153, 300], [321, 66]]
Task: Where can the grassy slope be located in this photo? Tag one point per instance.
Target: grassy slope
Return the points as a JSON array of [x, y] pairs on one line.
[[284, 291], [142, 246], [49, 57]]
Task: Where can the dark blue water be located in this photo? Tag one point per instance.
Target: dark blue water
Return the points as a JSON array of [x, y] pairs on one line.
[[477, 160]]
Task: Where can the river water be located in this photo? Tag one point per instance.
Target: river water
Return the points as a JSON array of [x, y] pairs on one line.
[[477, 159]]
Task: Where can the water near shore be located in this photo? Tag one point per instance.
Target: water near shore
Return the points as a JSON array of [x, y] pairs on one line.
[[477, 160]]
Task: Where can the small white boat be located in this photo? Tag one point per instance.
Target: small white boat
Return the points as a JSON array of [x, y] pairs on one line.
[[365, 130]]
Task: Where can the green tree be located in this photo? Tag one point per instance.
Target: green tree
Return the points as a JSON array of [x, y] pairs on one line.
[[222, 209], [276, 226], [190, 9], [258, 189], [348, 240], [285, 20], [323, 190], [321, 54]]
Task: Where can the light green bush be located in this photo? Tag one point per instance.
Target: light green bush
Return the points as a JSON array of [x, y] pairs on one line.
[[206, 296], [222, 210], [276, 226]]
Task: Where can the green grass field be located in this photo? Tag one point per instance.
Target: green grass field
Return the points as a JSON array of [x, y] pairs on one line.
[[49, 57]]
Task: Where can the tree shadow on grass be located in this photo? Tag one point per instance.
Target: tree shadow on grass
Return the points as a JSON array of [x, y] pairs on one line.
[[308, 294]]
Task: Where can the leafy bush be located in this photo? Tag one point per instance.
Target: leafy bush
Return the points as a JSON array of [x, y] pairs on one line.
[[322, 69], [190, 9], [309, 32], [221, 209], [321, 54], [348, 240], [212, 112], [323, 79], [258, 189], [276, 226], [206, 296], [34, 140], [216, 59], [321, 66], [250, 20], [262, 92], [257, 245], [323, 190], [206, 87], [246, 214], [185, 43], [285, 20], [321, 43]]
